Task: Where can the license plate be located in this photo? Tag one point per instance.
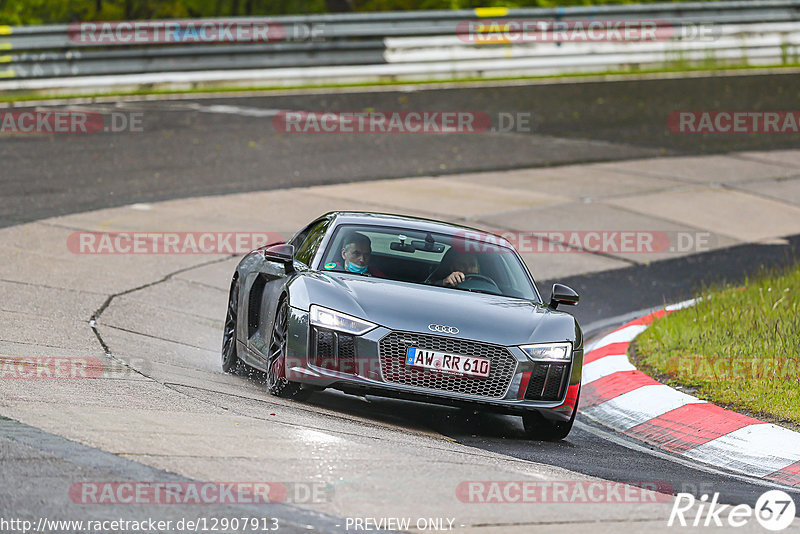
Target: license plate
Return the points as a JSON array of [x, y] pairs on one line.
[[455, 364]]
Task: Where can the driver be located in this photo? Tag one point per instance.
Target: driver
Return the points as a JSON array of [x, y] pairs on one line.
[[356, 253], [462, 265]]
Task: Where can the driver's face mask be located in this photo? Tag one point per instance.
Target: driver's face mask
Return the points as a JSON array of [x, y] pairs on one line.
[[353, 268]]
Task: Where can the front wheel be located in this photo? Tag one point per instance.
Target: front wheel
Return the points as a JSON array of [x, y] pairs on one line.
[[542, 429], [277, 384], [230, 356]]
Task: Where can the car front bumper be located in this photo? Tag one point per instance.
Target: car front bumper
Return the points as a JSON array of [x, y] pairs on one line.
[[373, 364]]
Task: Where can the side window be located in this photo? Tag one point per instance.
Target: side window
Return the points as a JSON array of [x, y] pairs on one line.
[[301, 236], [305, 253]]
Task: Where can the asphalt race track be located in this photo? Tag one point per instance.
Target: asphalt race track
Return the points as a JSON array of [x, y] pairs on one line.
[[199, 147], [190, 148]]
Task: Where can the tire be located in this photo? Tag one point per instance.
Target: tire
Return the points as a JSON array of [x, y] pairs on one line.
[[230, 356], [539, 428], [277, 384]]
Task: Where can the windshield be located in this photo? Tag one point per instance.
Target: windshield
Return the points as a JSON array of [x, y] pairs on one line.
[[449, 261]]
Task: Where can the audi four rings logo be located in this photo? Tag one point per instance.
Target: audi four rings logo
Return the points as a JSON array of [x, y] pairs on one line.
[[443, 328]]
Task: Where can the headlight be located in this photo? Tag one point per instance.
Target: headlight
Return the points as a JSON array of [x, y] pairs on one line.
[[339, 321], [549, 351]]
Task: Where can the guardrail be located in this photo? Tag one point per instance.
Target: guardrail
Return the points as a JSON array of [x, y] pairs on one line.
[[399, 45]]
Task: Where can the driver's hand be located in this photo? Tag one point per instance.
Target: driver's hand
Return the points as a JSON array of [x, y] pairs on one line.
[[454, 279]]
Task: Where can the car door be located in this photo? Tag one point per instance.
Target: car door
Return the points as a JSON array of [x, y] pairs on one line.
[[270, 283]]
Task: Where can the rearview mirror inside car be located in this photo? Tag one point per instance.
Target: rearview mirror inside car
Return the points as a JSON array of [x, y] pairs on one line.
[[428, 246], [402, 247]]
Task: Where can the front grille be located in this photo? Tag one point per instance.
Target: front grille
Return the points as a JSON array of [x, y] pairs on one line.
[[394, 346], [334, 351], [548, 381]]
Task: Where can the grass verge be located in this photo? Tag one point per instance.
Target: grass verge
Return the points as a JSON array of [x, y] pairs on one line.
[[738, 347]]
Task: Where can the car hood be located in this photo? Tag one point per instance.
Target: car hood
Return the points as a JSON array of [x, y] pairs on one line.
[[412, 307]]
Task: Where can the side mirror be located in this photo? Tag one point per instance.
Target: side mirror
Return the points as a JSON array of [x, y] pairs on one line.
[[562, 294], [282, 253]]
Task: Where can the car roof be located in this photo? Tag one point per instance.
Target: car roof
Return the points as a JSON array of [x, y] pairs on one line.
[[413, 223]]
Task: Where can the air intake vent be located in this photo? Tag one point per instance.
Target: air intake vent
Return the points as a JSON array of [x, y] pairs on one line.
[[334, 351], [548, 381]]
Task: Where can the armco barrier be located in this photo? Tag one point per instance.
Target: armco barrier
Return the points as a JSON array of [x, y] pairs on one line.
[[401, 45]]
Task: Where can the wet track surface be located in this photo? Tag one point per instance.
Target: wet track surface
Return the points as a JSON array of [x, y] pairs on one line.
[[196, 148], [588, 449]]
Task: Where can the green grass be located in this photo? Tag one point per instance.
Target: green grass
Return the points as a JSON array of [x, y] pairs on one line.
[[44, 95], [738, 346]]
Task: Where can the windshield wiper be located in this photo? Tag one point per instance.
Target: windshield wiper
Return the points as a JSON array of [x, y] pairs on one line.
[[485, 292], [345, 272]]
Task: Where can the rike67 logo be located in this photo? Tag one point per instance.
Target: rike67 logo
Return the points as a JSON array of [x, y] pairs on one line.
[[774, 510]]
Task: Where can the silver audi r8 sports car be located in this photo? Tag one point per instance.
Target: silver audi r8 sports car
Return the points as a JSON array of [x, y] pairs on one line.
[[408, 308]]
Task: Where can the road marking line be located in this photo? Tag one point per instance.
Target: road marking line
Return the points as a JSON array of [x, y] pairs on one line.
[[237, 110]]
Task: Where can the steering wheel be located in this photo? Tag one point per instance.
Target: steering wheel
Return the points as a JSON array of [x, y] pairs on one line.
[[481, 278]]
